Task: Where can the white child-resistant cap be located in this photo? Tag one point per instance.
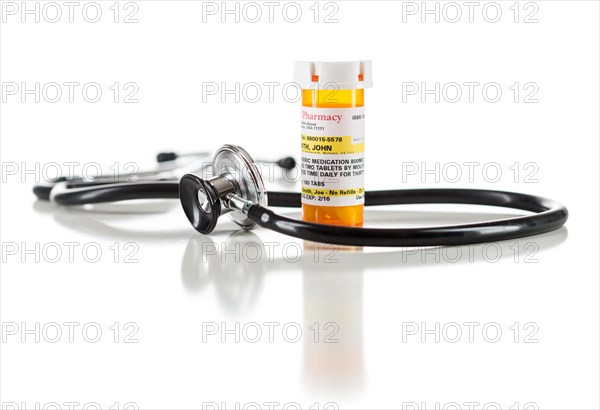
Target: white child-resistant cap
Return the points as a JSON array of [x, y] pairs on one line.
[[345, 75]]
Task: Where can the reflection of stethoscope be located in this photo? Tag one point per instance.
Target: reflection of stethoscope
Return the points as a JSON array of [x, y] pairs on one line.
[[237, 188], [237, 278]]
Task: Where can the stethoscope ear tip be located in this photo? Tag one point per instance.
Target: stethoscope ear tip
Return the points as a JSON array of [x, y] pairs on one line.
[[287, 163], [166, 157]]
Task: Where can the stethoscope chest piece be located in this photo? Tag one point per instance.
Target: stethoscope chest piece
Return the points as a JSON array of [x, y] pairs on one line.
[[235, 176]]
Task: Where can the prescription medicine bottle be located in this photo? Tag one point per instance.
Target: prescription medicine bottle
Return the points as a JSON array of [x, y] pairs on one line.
[[333, 140]]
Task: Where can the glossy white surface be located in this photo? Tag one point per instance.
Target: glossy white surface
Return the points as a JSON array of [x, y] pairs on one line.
[[181, 289]]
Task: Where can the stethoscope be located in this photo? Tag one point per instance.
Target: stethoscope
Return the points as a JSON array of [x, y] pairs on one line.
[[236, 187]]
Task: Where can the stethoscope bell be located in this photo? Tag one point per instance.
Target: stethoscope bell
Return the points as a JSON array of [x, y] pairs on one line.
[[236, 182]]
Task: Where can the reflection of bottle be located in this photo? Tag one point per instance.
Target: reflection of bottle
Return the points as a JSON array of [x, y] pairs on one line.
[[333, 319], [332, 122]]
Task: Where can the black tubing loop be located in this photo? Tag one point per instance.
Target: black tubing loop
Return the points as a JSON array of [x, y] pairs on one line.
[[549, 215], [426, 196], [93, 194]]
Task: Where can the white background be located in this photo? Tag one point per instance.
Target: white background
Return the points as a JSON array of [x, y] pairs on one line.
[[173, 292]]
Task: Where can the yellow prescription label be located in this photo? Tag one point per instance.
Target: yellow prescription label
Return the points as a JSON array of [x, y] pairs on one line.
[[332, 161], [333, 192], [330, 145]]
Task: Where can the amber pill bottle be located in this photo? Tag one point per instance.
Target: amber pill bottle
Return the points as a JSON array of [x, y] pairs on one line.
[[332, 140]]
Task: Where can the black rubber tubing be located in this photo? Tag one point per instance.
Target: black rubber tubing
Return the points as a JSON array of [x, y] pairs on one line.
[[91, 193], [547, 216]]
